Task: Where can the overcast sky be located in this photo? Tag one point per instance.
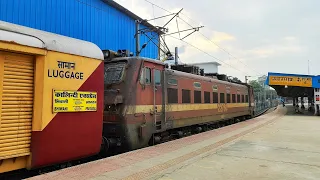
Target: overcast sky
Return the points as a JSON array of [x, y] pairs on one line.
[[261, 35]]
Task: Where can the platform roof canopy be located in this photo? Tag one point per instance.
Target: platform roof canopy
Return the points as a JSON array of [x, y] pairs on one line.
[[293, 85]]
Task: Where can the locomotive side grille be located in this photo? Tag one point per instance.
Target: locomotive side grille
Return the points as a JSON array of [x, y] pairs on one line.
[[16, 104]]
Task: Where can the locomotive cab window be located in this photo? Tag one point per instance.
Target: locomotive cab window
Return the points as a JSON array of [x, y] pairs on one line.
[[222, 98], [148, 75], [157, 77], [145, 77], [113, 73]]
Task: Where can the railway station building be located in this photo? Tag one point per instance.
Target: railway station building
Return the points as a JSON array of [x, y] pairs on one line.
[[102, 22]]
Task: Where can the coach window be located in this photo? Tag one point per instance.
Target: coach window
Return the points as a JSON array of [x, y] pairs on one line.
[[215, 97], [172, 96], [233, 98], [197, 97], [238, 98], [228, 98], [157, 77], [242, 98], [247, 99], [206, 97], [222, 98], [186, 96]]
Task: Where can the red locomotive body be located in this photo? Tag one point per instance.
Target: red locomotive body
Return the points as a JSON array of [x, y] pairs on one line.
[[146, 103]]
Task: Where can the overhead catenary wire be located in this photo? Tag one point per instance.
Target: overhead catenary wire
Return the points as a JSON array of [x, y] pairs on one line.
[[217, 59], [216, 44], [207, 38]]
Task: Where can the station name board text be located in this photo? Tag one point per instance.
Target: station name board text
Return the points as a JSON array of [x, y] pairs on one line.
[[290, 81]]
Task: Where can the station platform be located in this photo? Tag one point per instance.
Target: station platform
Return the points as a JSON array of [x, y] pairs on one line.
[[277, 145]]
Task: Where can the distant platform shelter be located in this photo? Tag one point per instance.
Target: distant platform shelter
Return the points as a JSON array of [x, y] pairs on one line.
[[293, 85]]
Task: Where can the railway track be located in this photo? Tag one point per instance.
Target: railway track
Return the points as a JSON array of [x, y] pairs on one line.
[[23, 173]]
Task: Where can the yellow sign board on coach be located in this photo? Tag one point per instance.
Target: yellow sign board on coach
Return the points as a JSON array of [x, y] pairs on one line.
[[74, 101], [290, 81]]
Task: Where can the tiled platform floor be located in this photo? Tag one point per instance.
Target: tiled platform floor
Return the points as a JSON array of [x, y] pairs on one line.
[[272, 146]]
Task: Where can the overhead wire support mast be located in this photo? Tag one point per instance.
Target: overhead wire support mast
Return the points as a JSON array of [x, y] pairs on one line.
[[137, 36], [150, 39], [145, 30]]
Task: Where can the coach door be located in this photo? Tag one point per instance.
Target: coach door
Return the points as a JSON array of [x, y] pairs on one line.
[[158, 97], [16, 107]]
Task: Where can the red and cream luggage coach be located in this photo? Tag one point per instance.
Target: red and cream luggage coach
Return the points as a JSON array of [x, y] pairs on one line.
[[51, 90]]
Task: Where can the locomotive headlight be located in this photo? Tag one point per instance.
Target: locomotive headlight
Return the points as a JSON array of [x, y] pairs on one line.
[[106, 53]]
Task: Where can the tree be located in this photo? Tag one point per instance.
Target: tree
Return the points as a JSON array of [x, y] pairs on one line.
[[256, 86], [261, 80]]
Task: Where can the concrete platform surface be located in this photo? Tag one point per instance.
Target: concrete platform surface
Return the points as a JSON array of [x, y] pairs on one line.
[[272, 146]]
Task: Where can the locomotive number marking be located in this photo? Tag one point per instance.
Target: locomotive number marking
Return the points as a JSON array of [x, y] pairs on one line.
[[222, 108]]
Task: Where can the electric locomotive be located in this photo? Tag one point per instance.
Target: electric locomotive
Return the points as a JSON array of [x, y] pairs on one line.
[[147, 103]]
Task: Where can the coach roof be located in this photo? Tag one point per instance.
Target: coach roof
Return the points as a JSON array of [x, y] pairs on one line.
[[40, 39]]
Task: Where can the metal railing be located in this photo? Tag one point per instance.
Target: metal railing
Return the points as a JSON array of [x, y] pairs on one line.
[[265, 100]]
